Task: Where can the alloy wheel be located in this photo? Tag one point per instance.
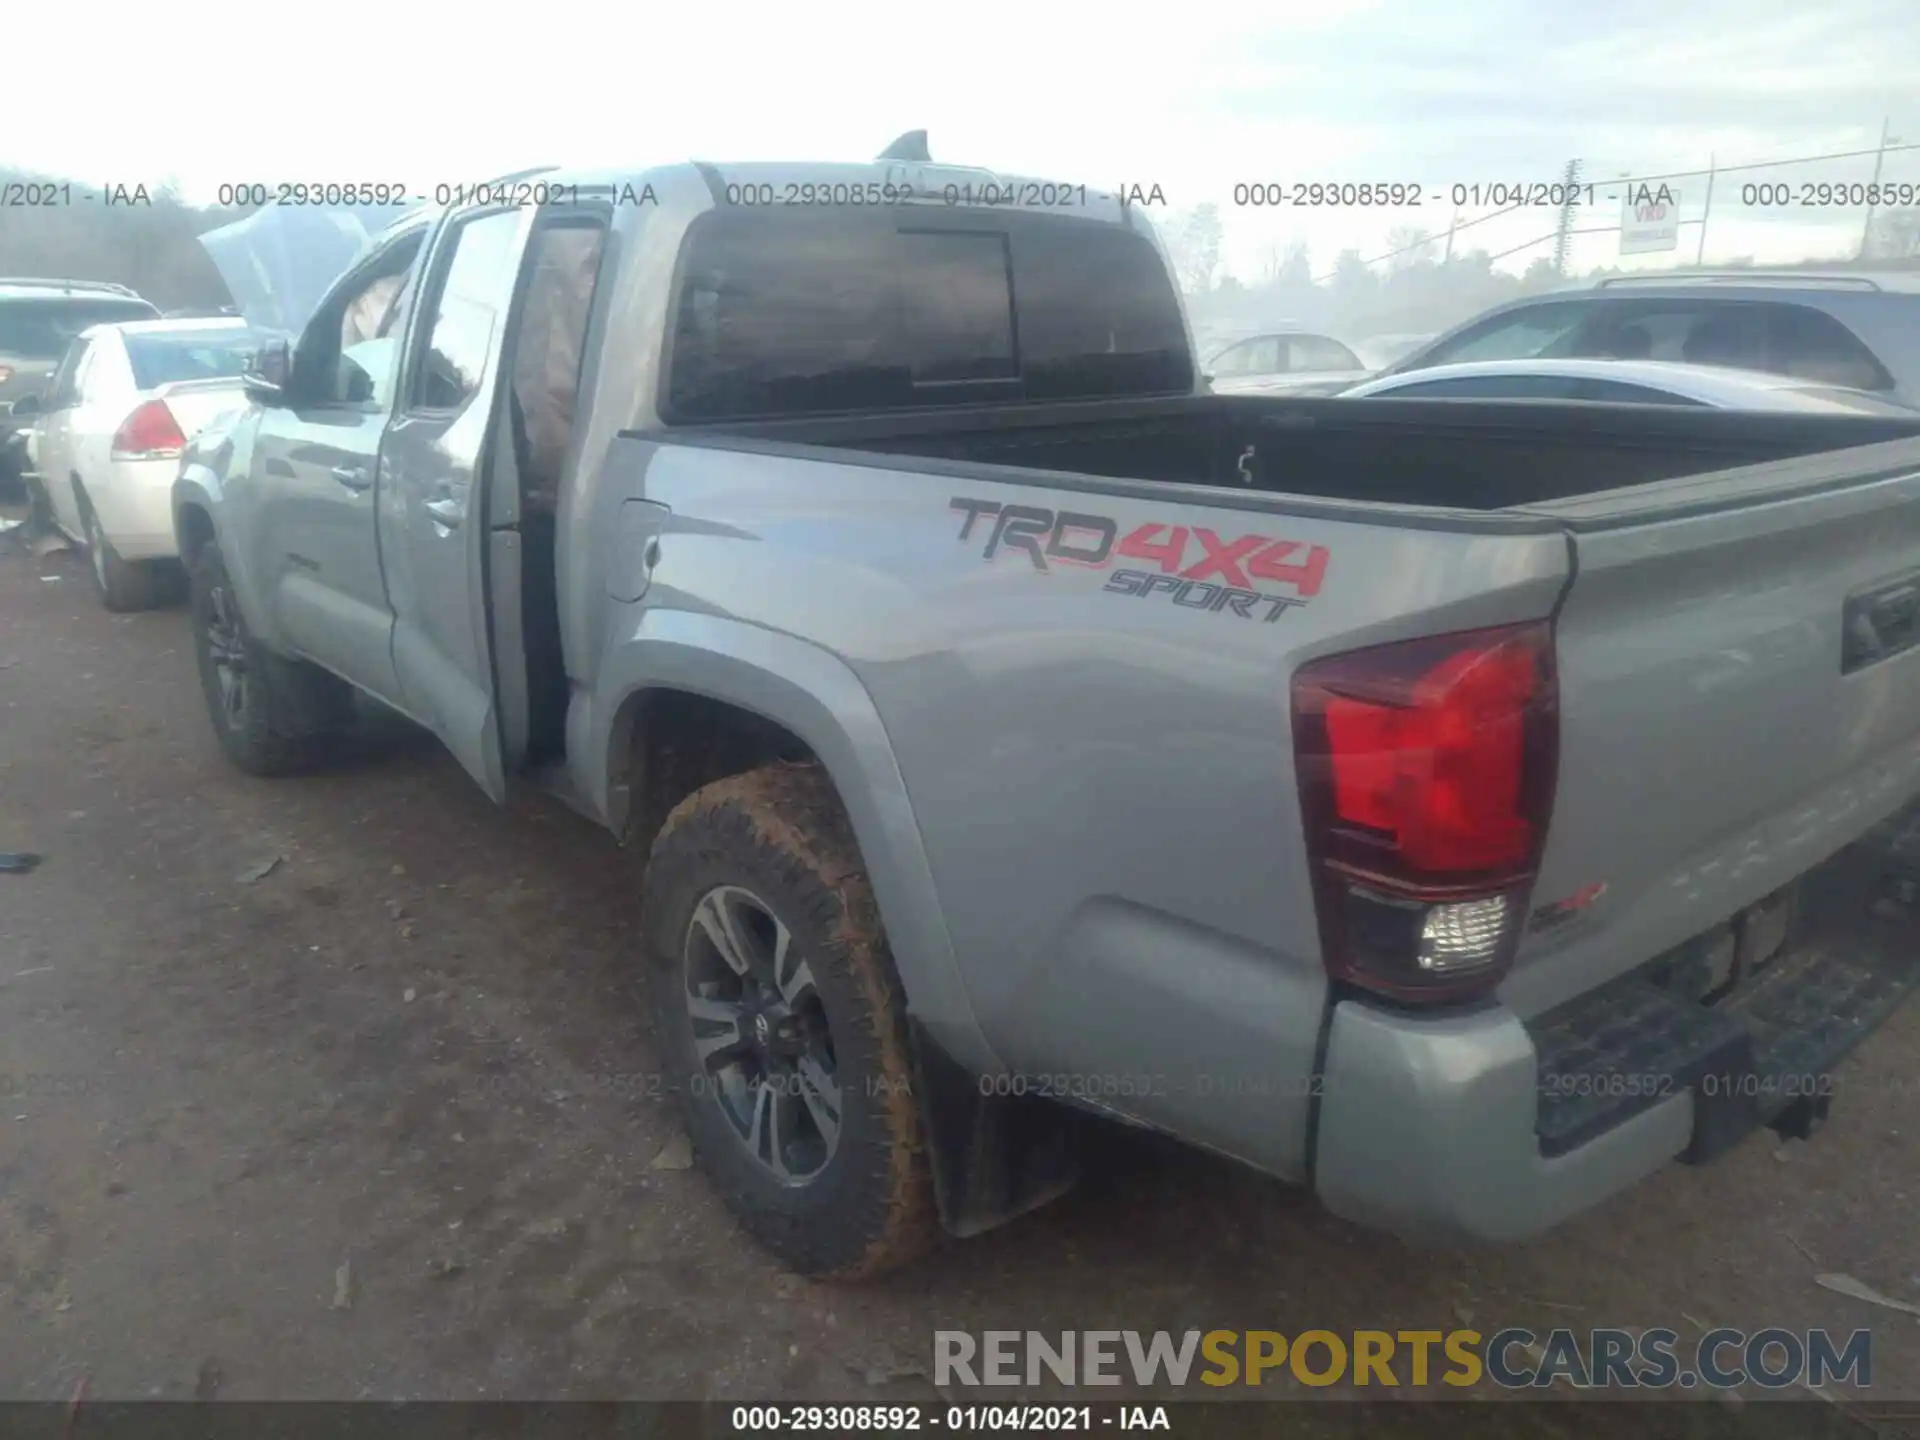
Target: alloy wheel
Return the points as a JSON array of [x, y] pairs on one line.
[[760, 1034]]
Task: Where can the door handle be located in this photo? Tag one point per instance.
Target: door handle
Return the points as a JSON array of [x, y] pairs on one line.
[[445, 513], [352, 476]]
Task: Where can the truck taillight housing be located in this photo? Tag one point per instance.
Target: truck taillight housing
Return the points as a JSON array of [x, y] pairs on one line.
[[149, 433], [1426, 775]]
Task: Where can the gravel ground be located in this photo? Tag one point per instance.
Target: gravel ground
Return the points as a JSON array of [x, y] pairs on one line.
[[382, 1120]]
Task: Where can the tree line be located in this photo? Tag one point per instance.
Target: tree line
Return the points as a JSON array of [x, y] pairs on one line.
[[153, 248]]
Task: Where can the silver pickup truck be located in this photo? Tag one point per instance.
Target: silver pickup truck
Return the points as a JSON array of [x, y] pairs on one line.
[[1428, 802]]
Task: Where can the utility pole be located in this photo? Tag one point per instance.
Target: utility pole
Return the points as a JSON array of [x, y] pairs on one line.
[[1700, 254], [1879, 159], [1563, 237], [1447, 259]]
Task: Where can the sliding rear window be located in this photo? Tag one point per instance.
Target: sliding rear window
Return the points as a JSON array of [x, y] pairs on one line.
[[810, 313]]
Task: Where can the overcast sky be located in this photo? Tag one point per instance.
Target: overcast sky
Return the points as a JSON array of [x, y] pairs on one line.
[[1204, 97]]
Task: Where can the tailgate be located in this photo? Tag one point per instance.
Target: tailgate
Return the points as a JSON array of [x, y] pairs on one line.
[[1739, 662]]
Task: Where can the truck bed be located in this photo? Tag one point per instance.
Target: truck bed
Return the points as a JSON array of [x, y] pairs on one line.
[[1479, 456]]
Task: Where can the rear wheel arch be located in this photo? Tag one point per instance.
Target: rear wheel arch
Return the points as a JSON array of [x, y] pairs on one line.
[[787, 687]]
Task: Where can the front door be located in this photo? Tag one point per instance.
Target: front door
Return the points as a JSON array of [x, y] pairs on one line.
[[433, 525], [317, 460]]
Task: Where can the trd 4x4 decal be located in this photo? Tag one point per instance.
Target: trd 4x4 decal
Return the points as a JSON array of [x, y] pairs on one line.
[[1222, 575]]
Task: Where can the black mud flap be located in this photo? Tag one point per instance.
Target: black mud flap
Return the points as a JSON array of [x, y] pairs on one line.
[[994, 1157]]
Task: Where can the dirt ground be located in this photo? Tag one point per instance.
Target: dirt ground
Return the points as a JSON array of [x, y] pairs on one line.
[[382, 1121]]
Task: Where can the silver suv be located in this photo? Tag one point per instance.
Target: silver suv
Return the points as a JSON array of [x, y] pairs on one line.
[[1856, 330]]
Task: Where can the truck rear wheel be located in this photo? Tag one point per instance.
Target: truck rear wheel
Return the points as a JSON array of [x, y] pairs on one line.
[[272, 715], [783, 1023]]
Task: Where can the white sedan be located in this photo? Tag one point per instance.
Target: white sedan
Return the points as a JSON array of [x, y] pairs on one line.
[[108, 433], [1631, 382], [1285, 362]]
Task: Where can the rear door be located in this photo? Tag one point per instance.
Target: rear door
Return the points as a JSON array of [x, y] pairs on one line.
[[1740, 698], [433, 526]]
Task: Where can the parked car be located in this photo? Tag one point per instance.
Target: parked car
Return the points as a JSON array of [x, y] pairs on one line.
[[1858, 331], [1639, 382], [108, 436], [1015, 731], [38, 320], [1285, 362]]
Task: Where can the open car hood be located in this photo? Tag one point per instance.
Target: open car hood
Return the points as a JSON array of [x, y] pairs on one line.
[[279, 261]]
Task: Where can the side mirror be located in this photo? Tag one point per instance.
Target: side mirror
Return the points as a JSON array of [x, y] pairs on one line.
[[24, 407], [268, 372]]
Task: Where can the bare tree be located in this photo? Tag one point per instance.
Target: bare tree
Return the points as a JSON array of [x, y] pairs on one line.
[[1408, 246], [1193, 241]]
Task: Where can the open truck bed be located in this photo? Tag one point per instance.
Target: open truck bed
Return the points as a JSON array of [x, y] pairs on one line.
[[1480, 455]]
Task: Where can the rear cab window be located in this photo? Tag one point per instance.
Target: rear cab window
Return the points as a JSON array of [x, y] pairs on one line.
[[810, 313]]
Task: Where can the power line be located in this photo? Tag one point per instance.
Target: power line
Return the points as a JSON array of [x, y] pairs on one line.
[[1766, 164], [1878, 150]]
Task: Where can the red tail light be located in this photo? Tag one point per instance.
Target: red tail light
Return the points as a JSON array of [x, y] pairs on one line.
[[149, 433], [6, 373], [1426, 780]]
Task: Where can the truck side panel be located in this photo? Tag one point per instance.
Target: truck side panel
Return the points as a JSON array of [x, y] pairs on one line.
[[1087, 697]]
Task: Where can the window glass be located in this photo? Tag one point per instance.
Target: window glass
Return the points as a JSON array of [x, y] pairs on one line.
[[1522, 335], [64, 392], [160, 357], [808, 313], [474, 293], [350, 352], [1769, 336], [1815, 346], [1485, 387], [562, 267], [42, 329], [1249, 357], [1620, 393], [1317, 352]]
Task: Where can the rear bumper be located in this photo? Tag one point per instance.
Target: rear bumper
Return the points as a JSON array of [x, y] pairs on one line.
[[134, 501], [1481, 1126]]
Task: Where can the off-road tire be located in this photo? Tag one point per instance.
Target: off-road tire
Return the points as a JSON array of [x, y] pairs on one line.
[[781, 833], [294, 712], [124, 586]]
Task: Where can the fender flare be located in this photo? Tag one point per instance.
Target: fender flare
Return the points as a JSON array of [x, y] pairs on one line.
[[815, 695], [198, 488]]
